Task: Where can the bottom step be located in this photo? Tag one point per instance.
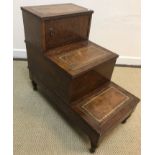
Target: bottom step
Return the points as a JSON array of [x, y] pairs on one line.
[[104, 109], [103, 105], [96, 113]]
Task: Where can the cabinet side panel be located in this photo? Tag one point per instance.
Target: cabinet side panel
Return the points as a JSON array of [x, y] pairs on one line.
[[48, 73], [32, 29]]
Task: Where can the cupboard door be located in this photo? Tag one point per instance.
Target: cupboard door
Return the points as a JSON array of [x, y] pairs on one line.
[[66, 30]]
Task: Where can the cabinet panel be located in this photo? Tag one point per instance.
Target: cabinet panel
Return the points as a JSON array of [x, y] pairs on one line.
[[66, 30]]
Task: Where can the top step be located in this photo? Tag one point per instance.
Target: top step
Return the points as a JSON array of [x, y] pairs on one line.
[[79, 57], [48, 11]]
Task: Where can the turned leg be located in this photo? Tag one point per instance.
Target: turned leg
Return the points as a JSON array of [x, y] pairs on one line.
[[124, 121], [34, 84], [94, 144]]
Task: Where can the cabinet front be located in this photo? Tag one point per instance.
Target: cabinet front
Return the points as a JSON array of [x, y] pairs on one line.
[[66, 30]]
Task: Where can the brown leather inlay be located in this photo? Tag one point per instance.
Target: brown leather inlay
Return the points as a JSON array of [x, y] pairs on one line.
[[105, 104], [83, 55]]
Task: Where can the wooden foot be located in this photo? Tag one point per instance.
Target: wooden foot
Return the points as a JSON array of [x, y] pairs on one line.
[[124, 121], [92, 149], [94, 144], [34, 85]]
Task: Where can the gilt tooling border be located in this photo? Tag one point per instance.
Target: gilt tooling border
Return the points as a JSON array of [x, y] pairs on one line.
[[80, 53], [108, 114]]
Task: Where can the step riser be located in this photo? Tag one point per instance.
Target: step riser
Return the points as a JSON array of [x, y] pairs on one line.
[[91, 80]]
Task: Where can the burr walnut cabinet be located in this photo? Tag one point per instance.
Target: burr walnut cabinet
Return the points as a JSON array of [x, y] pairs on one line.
[[73, 72]]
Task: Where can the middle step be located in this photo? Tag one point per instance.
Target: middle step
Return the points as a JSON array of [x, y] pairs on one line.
[[79, 68]]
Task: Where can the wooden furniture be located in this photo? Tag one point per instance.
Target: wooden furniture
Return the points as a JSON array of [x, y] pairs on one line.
[[73, 72]]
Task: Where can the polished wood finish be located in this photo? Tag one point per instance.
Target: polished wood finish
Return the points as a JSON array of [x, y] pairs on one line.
[[79, 57], [50, 26], [73, 72], [66, 30], [57, 10]]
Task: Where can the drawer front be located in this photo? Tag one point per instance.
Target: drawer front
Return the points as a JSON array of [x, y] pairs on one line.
[[66, 30]]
